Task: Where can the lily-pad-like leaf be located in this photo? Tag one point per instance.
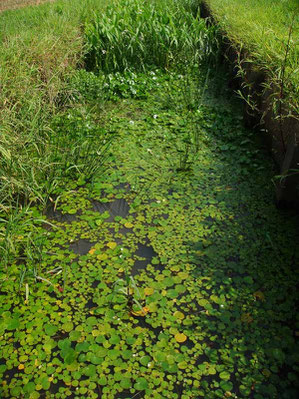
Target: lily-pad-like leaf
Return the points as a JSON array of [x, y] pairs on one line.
[[68, 326], [29, 387], [69, 355], [179, 315], [278, 354], [91, 321], [82, 346], [50, 329], [75, 335], [126, 354], [102, 380], [125, 383], [128, 225], [224, 375], [90, 370], [227, 386], [141, 384], [105, 215], [64, 344], [92, 251], [145, 360], [114, 340], [13, 324], [180, 337], [148, 291]]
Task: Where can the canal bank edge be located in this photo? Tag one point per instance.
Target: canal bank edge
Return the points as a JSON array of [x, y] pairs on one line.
[[281, 135]]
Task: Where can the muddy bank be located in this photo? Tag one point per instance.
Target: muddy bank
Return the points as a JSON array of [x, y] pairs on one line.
[[280, 132]]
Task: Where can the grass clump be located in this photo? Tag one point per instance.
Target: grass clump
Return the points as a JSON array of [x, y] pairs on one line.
[[268, 30], [146, 35], [40, 49], [44, 143]]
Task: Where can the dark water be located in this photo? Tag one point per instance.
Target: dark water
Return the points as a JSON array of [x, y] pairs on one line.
[[118, 207]]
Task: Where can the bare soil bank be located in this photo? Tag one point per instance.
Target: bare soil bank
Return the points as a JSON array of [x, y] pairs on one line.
[[11, 4]]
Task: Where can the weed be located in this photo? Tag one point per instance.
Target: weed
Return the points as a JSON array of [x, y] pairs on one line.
[[36, 65], [146, 36], [269, 31], [12, 225], [191, 88], [32, 258], [127, 287], [78, 145]]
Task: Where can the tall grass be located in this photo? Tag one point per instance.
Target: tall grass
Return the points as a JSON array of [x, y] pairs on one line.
[[40, 50], [157, 34], [262, 28]]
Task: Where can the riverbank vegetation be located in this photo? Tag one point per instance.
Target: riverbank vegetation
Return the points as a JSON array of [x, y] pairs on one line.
[[266, 33]]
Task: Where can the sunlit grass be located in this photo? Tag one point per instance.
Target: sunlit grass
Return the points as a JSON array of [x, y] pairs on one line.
[[145, 35], [40, 48], [262, 27]]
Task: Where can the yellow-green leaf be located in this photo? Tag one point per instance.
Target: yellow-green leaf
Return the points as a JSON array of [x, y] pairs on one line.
[[180, 337]]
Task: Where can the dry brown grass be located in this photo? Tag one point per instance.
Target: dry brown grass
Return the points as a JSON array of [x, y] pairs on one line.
[[11, 4]]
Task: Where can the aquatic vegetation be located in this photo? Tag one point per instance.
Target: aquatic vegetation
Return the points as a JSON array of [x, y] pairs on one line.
[[128, 288], [206, 251], [166, 273]]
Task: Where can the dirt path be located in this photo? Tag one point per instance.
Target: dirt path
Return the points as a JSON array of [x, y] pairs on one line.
[[13, 4]]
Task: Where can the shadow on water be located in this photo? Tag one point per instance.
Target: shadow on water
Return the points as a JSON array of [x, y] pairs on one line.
[[245, 261], [250, 259], [81, 247], [252, 316], [145, 255], [57, 215], [118, 207]]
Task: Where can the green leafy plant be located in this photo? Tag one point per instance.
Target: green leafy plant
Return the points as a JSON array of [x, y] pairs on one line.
[[206, 250], [32, 249], [127, 288], [145, 36], [79, 146], [67, 353], [13, 227], [191, 89]]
